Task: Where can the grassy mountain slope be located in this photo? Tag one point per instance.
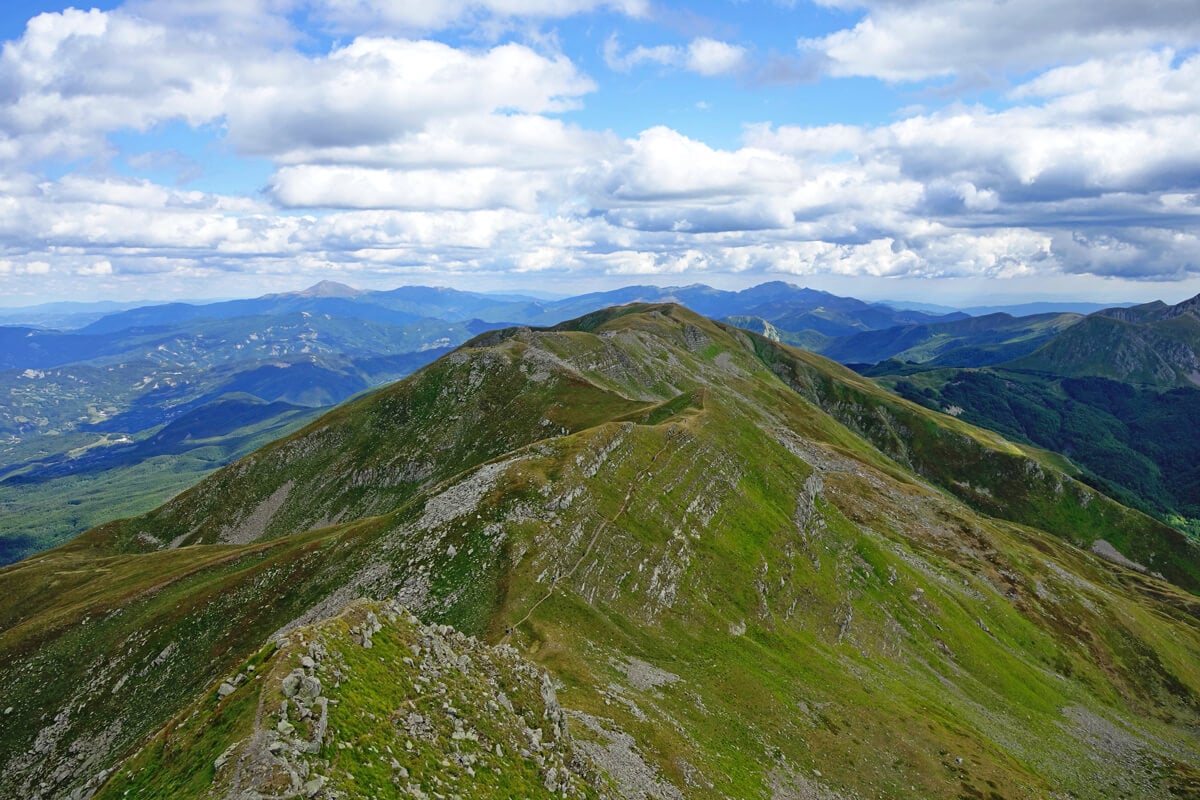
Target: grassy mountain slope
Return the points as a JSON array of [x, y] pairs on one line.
[[65, 422], [977, 341], [1133, 441], [1154, 346], [750, 572]]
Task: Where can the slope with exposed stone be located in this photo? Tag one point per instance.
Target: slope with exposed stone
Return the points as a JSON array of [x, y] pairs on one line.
[[746, 571]]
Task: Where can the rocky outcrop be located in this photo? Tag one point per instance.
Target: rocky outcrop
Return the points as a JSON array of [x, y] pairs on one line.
[[373, 702]]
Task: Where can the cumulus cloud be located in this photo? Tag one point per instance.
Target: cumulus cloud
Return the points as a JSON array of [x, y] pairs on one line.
[[1134, 252], [96, 270], [905, 40], [664, 164], [392, 154], [1070, 145], [515, 141], [430, 15], [8, 267], [1102, 168], [314, 186], [375, 91], [703, 56], [75, 76], [711, 57], [1122, 87]]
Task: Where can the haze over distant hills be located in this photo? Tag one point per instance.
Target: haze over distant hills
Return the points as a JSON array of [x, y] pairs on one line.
[[1018, 309], [73, 315]]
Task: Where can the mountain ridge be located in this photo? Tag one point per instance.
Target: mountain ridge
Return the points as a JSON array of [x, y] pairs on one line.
[[1152, 345], [70, 393], [751, 565]]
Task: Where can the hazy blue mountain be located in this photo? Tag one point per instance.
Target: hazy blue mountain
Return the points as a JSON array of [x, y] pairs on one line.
[[1043, 307], [786, 306], [65, 315], [970, 342]]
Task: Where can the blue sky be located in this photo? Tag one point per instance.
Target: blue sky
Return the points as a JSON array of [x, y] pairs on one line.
[[955, 151]]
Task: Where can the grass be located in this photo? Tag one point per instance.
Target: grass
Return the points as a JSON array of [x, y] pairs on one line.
[[915, 627], [371, 691], [45, 514]]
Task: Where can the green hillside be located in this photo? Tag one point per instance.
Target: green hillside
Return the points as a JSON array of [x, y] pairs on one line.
[[1134, 443], [748, 572], [1159, 353], [972, 342]]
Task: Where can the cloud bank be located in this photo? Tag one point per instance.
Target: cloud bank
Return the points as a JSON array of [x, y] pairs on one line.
[[396, 153]]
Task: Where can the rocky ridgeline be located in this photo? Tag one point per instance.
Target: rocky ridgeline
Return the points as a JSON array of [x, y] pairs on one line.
[[373, 703]]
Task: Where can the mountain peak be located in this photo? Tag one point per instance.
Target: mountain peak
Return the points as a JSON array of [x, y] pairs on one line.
[[774, 286], [329, 289], [325, 288]]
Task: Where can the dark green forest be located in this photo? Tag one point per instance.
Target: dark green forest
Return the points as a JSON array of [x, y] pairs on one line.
[[1137, 445]]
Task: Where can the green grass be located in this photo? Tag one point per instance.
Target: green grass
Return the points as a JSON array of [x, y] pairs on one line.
[[368, 752], [918, 631], [38, 516]]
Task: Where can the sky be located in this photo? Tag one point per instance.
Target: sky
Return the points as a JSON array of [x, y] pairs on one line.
[[947, 151]]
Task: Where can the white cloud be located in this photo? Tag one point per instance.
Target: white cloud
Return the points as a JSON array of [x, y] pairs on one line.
[[664, 164], [98, 269], [77, 75], [1131, 252], [904, 40], [703, 56], [429, 15], [8, 267], [662, 55], [375, 91], [1122, 87], [514, 141], [711, 57], [1074, 146], [415, 189]]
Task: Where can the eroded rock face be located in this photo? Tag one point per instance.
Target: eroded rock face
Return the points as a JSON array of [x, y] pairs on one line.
[[1109, 553]]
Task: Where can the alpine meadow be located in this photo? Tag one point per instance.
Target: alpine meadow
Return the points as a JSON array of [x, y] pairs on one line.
[[600, 400]]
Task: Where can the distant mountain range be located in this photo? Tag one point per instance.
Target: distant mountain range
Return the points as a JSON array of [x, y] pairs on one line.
[[974, 341], [1153, 345], [84, 406], [1012, 309]]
